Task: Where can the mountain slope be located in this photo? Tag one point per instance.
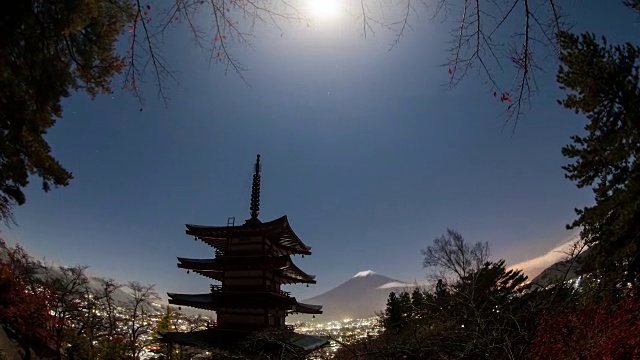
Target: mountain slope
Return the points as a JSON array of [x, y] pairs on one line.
[[360, 297], [557, 271]]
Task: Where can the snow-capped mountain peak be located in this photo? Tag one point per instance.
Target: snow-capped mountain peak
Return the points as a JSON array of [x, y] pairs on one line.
[[360, 297], [365, 273]]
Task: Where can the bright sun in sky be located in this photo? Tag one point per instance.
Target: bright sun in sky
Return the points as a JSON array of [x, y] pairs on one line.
[[323, 9]]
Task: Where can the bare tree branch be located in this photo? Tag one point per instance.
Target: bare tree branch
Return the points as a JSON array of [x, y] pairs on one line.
[[483, 31], [232, 21], [451, 255]]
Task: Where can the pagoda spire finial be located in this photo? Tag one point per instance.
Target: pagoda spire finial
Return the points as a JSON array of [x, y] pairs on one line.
[[255, 191]]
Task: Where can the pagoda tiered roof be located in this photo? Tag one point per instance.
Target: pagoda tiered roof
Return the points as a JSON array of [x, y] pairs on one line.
[[232, 299], [282, 265], [277, 230], [251, 261], [211, 274], [235, 262], [292, 274], [303, 308]]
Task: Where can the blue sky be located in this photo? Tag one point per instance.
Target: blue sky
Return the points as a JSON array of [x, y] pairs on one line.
[[364, 149]]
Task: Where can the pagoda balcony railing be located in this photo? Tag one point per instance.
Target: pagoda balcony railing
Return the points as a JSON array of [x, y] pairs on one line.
[[218, 288], [281, 292]]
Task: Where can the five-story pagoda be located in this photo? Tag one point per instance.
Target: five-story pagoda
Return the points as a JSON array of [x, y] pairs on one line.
[[252, 261]]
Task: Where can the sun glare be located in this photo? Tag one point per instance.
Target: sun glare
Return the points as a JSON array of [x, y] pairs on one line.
[[323, 9]]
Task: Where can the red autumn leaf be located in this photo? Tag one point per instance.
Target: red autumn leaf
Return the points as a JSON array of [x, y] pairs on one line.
[[593, 332], [26, 302]]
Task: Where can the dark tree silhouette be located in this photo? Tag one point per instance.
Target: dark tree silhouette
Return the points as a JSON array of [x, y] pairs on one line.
[[451, 255], [602, 82], [48, 50]]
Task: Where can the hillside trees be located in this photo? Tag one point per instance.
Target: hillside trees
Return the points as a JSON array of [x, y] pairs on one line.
[[108, 287], [492, 312], [70, 288], [58, 312], [482, 311], [87, 328], [25, 303], [163, 350], [487, 305], [139, 315], [393, 314], [173, 320]]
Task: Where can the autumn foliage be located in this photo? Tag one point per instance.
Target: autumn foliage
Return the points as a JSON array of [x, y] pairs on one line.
[[58, 312], [25, 304], [600, 331], [480, 309]]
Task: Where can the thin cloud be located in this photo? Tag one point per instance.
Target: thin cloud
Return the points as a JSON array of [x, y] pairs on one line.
[[399, 284], [394, 284], [536, 265]]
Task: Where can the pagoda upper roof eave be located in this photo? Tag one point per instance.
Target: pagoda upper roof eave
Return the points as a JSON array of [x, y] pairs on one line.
[[280, 226], [235, 261]]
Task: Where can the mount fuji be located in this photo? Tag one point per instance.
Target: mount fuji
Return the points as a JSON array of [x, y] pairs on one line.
[[362, 296]]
